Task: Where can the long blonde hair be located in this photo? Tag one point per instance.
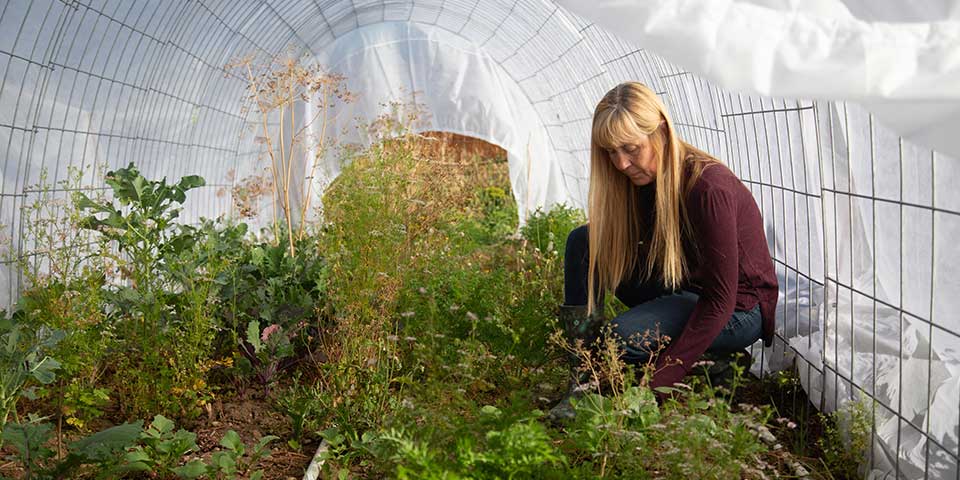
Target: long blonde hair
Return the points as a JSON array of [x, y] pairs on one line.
[[625, 112]]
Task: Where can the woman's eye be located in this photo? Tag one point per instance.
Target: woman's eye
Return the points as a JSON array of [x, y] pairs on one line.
[[630, 148]]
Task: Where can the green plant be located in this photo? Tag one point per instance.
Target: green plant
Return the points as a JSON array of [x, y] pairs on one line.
[[846, 438], [267, 349], [29, 442], [520, 448], [301, 403], [273, 302], [161, 449], [23, 357], [160, 309], [82, 403], [606, 425], [118, 451], [346, 446], [230, 462], [63, 281], [548, 230], [102, 450]]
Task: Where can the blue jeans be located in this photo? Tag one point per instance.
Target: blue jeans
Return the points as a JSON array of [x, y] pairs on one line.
[[641, 326], [652, 308]]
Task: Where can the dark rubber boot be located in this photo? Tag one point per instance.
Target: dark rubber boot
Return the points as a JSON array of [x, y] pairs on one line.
[[577, 325]]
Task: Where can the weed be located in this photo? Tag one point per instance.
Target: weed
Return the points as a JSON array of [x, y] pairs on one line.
[[846, 438], [62, 290]]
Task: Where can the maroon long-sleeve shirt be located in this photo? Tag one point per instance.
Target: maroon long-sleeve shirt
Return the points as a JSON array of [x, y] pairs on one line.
[[733, 271]]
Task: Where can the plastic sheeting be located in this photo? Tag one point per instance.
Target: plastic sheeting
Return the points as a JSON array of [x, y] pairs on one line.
[[447, 76], [861, 221], [906, 73]]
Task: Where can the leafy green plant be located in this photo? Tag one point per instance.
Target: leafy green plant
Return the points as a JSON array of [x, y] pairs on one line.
[[23, 358], [273, 302], [147, 230], [103, 450], [160, 307], [230, 462], [347, 446], [82, 403], [118, 451], [607, 425], [29, 442], [161, 450]]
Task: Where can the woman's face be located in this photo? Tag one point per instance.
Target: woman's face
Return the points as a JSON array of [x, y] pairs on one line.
[[635, 160]]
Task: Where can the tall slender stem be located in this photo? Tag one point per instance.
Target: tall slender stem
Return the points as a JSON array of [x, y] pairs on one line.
[[289, 169], [273, 162], [313, 168]]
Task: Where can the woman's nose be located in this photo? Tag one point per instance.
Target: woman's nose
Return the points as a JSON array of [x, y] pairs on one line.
[[620, 161]]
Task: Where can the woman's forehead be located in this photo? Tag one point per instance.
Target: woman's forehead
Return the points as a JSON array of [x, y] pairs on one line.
[[616, 129], [613, 138]]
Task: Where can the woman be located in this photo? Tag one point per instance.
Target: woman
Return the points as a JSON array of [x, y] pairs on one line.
[[678, 238]]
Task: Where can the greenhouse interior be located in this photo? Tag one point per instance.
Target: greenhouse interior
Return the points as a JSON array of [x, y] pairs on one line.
[[325, 238]]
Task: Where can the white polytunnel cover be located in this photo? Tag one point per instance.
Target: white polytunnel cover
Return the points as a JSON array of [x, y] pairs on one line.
[[840, 116]]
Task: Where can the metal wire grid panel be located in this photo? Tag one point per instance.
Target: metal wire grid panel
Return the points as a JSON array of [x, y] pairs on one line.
[[859, 222]]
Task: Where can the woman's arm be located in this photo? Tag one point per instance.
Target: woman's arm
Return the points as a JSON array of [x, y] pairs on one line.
[[713, 212]]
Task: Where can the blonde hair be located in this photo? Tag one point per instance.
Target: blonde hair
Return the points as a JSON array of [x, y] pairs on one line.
[[627, 111]]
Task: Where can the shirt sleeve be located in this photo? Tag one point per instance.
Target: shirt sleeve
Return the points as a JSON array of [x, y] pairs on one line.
[[713, 213]]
